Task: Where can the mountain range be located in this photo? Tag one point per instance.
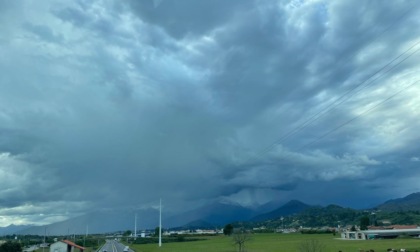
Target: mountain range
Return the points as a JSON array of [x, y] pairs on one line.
[[291, 207], [217, 215], [410, 202], [12, 229]]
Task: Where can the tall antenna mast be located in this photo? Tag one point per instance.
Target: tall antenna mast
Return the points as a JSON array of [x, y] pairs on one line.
[[160, 223], [135, 226], [45, 234], [87, 231]]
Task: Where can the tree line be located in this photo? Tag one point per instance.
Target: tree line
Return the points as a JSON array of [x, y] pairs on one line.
[[10, 246]]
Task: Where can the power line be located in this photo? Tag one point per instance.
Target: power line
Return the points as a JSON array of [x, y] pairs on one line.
[[342, 98], [348, 93], [358, 116]]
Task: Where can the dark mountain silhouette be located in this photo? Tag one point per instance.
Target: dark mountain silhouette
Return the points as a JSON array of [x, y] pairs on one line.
[[216, 215], [269, 206], [331, 215], [213, 215], [13, 229], [296, 213], [198, 224], [408, 203], [291, 207]]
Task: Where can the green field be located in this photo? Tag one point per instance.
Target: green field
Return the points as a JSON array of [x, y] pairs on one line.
[[282, 242]]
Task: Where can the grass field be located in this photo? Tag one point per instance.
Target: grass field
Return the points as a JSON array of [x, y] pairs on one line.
[[282, 242]]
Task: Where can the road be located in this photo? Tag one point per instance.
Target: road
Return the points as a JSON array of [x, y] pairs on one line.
[[113, 246]]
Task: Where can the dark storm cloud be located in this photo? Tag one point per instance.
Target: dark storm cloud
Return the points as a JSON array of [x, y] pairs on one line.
[[189, 100], [182, 18]]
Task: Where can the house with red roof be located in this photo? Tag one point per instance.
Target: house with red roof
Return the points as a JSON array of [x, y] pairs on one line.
[[65, 246]]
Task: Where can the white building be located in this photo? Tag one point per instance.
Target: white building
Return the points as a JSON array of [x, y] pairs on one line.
[[381, 233], [65, 246]]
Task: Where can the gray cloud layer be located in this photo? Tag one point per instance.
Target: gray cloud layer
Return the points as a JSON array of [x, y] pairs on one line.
[[109, 104]]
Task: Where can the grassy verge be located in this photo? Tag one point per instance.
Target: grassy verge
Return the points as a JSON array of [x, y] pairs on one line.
[[281, 242]]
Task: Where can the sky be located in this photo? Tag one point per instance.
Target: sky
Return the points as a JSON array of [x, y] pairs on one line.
[[109, 104]]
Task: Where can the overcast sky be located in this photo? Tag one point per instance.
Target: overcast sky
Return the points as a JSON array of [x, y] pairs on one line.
[[108, 104]]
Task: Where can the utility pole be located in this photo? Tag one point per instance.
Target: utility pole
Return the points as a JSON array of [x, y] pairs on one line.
[[84, 240], [45, 233], [160, 223], [135, 227]]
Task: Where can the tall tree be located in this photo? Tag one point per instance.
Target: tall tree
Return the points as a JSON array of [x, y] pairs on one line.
[[239, 238], [157, 229], [364, 222], [228, 229]]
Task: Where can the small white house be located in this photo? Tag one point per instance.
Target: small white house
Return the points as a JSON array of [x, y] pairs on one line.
[[65, 246]]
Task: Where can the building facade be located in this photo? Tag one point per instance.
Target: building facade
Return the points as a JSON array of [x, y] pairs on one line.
[[65, 246]]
